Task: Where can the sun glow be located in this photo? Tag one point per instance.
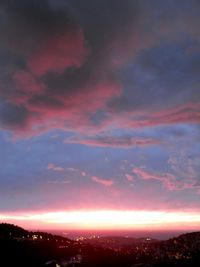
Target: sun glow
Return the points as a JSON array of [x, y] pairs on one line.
[[108, 219]]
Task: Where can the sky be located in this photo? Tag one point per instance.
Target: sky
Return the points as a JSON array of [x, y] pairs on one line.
[[100, 113]]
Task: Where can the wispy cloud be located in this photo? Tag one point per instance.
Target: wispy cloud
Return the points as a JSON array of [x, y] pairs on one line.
[[102, 181], [71, 169], [59, 182], [168, 180], [112, 141], [53, 167]]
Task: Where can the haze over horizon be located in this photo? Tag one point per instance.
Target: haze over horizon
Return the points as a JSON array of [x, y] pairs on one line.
[[100, 113]]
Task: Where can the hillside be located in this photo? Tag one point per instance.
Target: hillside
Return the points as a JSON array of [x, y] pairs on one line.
[[20, 247], [11, 230]]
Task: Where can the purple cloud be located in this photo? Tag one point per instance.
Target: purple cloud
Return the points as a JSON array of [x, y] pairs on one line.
[[111, 141]]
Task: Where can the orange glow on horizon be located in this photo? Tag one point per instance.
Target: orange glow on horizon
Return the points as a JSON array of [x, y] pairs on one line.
[[106, 220]]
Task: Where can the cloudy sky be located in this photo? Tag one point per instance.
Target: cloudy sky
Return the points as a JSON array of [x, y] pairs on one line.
[[99, 106]]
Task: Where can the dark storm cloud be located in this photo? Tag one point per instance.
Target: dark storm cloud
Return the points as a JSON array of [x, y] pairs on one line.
[[162, 76], [26, 23], [35, 39], [114, 28], [11, 115], [43, 41], [63, 62]]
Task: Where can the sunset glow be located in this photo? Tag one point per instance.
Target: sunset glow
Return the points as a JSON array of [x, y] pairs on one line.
[[108, 219]]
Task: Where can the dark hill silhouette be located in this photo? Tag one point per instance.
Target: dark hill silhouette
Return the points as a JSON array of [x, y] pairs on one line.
[[19, 247], [11, 230]]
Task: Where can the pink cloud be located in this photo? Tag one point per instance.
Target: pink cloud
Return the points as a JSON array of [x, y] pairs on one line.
[[168, 180], [102, 181], [52, 166], [129, 177], [58, 52], [69, 111], [28, 82], [186, 113]]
